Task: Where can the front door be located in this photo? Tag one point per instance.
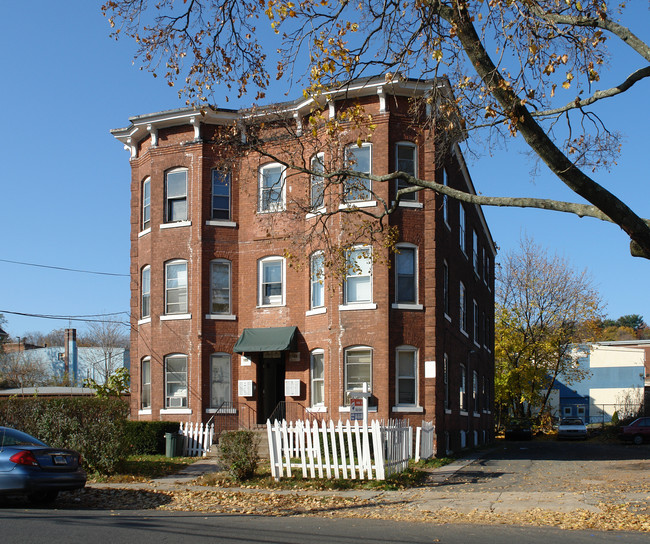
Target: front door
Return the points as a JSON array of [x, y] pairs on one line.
[[270, 378]]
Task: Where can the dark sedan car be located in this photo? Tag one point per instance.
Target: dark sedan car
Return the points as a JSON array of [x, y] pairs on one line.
[[519, 429], [638, 431], [30, 467]]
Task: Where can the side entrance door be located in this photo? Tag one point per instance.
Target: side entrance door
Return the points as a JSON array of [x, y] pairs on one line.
[[270, 377]]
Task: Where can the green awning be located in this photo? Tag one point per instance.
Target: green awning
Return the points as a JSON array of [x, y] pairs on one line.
[[266, 339]]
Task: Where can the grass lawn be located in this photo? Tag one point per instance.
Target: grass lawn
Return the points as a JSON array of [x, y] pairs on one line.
[[415, 475], [142, 468]]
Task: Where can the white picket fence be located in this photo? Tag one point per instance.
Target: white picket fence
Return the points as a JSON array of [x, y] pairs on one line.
[[425, 441], [343, 450], [197, 438]]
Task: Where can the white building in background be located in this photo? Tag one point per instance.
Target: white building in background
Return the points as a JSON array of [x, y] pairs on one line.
[[615, 383]]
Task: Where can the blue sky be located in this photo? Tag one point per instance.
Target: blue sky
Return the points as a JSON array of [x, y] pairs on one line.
[[65, 179]]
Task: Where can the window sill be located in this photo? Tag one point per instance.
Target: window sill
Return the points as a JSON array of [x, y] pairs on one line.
[[175, 224], [144, 232], [145, 320], [407, 306], [476, 414], [145, 412], [358, 204], [447, 411], [410, 204], [448, 318], [317, 212], [346, 409], [264, 306], [316, 311], [477, 344], [221, 223], [220, 410], [464, 332], [273, 210], [175, 411], [221, 317], [464, 413], [352, 306], [407, 409], [317, 410], [175, 317]]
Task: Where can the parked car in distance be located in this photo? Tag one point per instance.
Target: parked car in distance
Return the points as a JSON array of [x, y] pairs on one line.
[[571, 427], [30, 467], [638, 431], [519, 429]]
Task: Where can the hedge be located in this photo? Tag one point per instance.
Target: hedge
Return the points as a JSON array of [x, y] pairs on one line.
[[93, 426], [148, 437]]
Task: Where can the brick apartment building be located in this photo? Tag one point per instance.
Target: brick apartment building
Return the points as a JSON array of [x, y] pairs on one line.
[[223, 321]]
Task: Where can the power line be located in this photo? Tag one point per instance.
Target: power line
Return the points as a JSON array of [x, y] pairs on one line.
[[71, 317], [65, 269]]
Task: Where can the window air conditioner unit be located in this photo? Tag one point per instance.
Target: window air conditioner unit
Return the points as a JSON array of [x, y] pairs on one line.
[[176, 402]]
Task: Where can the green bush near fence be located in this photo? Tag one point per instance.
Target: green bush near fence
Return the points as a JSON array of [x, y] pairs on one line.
[[238, 451], [93, 426], [148, 437]]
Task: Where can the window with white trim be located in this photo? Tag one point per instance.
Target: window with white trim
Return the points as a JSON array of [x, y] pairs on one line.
[[463, 388], [176, 195], [317, 182], [358, 280], [220, 381], [358, 370], [271, 188], [477, 324], [317, 275], [317, 378], [176, 287], [475, 405], [220, 285], [462, 307], [146, 204], [445, 381], [406, 161], [145, 291], [358, 159], [176, 381], [406, 371], [145, 379], [271, 281], [462, 228], [406, 277], [220, 195], [445, 198], [445, 287]]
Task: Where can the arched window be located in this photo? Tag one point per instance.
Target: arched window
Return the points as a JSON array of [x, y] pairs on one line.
[[317, 378], [176, 195], [145, 381], [316, 280], [146, 204], [358, 280], [358, 159], [358, 370], [176, 287], [145, 290], [176, 381], [271, 188], [270, 274]]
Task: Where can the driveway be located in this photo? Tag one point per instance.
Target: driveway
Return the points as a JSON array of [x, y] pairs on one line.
[[552, 465]]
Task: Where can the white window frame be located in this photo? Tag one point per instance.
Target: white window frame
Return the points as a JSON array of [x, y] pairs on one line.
[[407, 304], [365, 193], [145, 292], [445, 198], [462, 390], [445, 383], [145, 383], [176, 198], [352, 271], [462, 308], [347, 352], [273, 300], [316, 383], [399, 184], [171, 400], [399, 378], [223, 173], [462, 228], [221, 358], [477, 323], [317, 183], [212, 286], [146, 204], [264, 206], [182, 310], [317, 280]]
